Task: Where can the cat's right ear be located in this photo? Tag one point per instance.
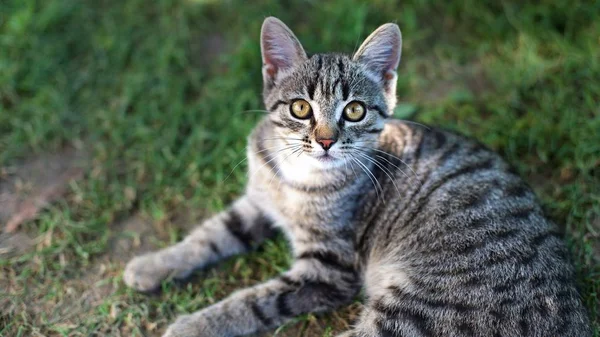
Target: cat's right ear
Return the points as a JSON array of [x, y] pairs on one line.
[[281, 50]]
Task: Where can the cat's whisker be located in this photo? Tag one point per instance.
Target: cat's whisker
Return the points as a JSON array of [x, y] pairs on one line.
[[353, 170], [383, 168], [371, 176], [256, 110], [280, 180], [233, 169], [395, 157], [271, 138], [274, 147], [373, 179], [344, 158], [301, 152], [357, 40], [415, 123], [286, 140], [279, 166], [238, 164], [403, 162], [397, 167], [246, 158], [282, 138], [409, 178], [349, 163], [275, 156]]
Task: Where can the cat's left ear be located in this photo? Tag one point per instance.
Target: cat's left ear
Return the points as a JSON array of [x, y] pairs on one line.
[[380, 54], [281, 50]]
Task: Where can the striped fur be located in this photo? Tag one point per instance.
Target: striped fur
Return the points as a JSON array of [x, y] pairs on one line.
[[444, 238]]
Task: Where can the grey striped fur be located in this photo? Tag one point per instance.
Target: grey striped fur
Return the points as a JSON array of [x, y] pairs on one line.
[[443, 237]]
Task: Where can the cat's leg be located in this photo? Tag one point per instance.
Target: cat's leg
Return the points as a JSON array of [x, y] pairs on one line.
[[370, 325], [389, 317], [234, 231], [315, 283], [384, 312]]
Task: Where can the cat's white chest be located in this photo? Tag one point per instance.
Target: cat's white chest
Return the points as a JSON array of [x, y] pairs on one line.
[[283, 204]]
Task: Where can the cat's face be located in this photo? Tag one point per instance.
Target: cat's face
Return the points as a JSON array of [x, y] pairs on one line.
[[328, 108]]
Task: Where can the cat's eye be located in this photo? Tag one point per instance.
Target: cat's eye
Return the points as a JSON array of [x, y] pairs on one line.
[[354, 112], [301, 109]]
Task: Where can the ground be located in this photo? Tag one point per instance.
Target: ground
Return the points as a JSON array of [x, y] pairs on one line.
[[120, 122]]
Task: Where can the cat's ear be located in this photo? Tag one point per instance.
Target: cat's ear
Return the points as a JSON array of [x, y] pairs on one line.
[[380, 54], [281, 50]]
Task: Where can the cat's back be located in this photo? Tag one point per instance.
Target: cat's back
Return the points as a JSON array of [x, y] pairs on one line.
[[473, 252]]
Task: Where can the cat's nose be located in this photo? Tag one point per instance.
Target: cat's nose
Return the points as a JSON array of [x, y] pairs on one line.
[[326, 143], [326, 135]]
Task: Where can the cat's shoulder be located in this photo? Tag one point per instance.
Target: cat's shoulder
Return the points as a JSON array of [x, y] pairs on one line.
[[431, 136]]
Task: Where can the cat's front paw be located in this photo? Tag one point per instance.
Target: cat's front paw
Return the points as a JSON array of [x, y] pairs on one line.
[[143, 273], [190, 326]]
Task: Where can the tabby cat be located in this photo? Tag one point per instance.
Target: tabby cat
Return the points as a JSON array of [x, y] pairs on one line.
[[444, 238]]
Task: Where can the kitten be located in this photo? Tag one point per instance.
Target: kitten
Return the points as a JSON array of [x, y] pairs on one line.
[[445, 239]]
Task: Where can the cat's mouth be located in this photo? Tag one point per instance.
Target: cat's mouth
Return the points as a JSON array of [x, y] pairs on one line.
[[326, 158]]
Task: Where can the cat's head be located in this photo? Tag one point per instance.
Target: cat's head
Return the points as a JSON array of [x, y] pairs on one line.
[[332, 104]]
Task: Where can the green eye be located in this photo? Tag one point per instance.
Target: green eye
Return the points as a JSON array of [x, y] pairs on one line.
[[301, 109], [354, 112]]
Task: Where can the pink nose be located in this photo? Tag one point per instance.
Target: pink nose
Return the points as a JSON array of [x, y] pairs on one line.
[[326, 143]]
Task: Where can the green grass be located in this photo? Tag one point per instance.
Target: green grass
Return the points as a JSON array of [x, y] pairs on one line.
[[157, 93]]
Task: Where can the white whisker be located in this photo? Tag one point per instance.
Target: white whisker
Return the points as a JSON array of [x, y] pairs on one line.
[[371, 177], [395, 157], [279, 167], [389, 162], [398, 167], [415, 123], [282, 138], [384, 169], [255, 110], [246, 158], [275, 156], [280, 180]]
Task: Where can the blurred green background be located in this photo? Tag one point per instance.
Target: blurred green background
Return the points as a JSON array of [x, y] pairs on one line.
[[159, 96]]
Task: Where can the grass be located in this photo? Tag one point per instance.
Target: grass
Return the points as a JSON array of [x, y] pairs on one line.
[[157, 94]]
